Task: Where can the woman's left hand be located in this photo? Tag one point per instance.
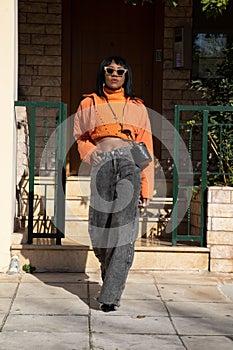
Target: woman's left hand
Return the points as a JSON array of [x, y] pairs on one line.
[[144, 202]]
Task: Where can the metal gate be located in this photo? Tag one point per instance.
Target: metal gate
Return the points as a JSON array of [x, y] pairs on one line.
[[47, 162], [209, 145]]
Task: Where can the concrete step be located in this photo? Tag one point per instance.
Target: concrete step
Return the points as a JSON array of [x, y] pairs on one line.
[[80, 185], [76, 228], [77, 197], [74, 257]]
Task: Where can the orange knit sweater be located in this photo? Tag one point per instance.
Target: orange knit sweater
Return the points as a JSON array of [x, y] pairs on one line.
[[96, 119]]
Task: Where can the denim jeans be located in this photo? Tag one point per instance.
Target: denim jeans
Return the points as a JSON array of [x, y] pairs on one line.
[[113, 219]]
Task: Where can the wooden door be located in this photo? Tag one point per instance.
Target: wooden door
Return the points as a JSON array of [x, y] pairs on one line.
[[96, 29]]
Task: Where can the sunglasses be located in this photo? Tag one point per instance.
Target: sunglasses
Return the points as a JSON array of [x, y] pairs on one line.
[[120, 71]]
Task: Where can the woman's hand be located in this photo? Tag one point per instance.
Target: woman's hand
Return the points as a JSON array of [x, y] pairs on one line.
[[144, 202], [95, 157]]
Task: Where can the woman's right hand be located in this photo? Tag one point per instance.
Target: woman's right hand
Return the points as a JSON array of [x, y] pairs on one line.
[[96, 157]]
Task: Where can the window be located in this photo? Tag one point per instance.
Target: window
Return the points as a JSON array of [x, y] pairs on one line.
[[210, 37], [208, 52]]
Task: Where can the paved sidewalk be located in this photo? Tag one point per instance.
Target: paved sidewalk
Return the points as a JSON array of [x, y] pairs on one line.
[[159, 310]]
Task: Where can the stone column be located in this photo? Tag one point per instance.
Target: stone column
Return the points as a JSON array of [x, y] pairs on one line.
[[220, 228]]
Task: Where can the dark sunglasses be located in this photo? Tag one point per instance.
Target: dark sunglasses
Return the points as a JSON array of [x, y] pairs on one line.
[[120, 71]]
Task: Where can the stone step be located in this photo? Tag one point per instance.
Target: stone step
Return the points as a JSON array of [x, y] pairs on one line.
[[77, 198], [74, 257], [80, 186], [76, 228]]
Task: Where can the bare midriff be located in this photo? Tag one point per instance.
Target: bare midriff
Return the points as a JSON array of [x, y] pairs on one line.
[[108, 143]]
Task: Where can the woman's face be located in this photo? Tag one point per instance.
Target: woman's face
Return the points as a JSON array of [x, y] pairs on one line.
[[114, 76]]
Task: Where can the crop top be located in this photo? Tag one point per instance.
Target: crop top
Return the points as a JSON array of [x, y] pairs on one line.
[[98, 117]]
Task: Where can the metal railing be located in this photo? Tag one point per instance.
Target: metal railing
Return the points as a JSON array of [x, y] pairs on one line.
[[209, 147], [47, 154]]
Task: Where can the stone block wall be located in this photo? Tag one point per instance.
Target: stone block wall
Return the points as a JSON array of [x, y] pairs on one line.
[[220, 228], [40, 33], [219, 235]]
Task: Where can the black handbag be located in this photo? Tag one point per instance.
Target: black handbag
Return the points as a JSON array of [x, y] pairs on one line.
[[140, 154], [139, 151]]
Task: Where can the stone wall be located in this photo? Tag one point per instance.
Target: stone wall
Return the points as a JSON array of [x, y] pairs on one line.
[[220, 228], [219, 235], [40, 50]]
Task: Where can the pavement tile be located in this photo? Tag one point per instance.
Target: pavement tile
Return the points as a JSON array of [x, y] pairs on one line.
[[203, 325], [44, 341], [53, 290], [190, 292], [135, 342], [5, 305], [49, 306], [140, 277], [196, 309], [140, 291], [7, 290], [14, 278], [47, 277], [105, 323], [45, 323], [210, 342], [142, 307], [227, 290], [184, 277]]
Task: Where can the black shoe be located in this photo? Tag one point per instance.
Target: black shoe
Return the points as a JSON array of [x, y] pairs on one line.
[[108, 308]]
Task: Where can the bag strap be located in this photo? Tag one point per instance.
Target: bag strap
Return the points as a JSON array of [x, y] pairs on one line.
[[129, 134]]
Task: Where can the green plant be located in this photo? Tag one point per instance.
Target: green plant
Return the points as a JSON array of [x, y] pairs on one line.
[[209, 7], [218, 92], [28, 268]]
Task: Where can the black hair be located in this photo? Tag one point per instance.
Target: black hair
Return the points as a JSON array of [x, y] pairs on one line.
[[101, 76]]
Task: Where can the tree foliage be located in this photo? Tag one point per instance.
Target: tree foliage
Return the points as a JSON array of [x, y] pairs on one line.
[[218, 91], [209, 7]]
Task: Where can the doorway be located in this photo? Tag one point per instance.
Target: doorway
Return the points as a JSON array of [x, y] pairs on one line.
[[94, 30]]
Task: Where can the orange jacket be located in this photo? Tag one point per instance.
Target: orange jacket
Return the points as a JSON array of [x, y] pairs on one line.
[[95, 119]]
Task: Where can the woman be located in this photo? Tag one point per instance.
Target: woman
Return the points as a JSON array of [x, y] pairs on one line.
[[104, 125]]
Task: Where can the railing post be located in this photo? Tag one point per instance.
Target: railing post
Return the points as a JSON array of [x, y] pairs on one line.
[[60, 175], [175, 176], [31, 172], [204, 175]]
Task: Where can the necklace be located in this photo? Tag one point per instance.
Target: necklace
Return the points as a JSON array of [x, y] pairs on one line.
[[116, 116]]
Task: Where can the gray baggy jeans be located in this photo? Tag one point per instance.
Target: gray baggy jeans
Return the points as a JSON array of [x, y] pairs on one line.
[[114, 218]]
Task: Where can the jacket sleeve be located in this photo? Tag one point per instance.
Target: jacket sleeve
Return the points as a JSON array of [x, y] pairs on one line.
[[83, 123], [145, 135]]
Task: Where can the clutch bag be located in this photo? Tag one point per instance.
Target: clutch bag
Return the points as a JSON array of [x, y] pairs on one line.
[[140, 154]]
